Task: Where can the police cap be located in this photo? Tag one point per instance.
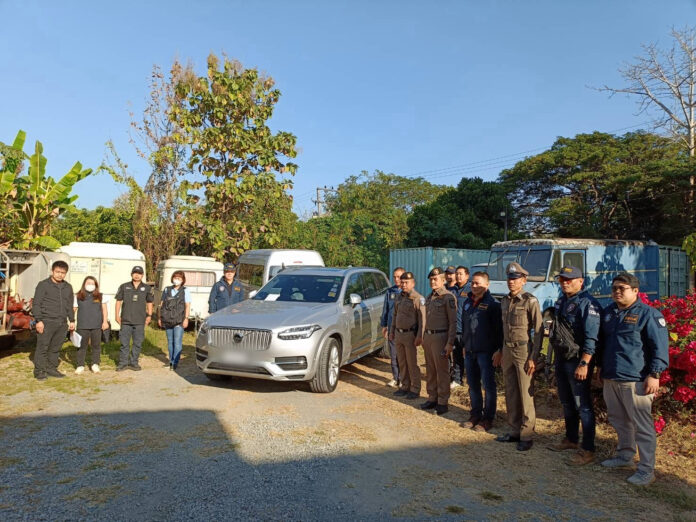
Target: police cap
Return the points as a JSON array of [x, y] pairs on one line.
[[230, 267], [407, 275], [515, 271], [435, 272], [450, 270], [137, 269], [570, 272]]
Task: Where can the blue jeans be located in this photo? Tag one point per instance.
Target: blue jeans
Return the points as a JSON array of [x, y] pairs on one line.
[[479, 368], [457, 369], [576, 398], [175, 338]]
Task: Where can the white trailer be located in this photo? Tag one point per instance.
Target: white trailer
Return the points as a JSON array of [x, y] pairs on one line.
[[111, 265], [201, 274]]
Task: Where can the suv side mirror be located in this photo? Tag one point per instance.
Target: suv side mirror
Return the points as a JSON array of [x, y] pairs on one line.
[[355, 299], [253, 293]]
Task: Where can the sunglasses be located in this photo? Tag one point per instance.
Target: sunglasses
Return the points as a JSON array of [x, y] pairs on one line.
[[620, 288]]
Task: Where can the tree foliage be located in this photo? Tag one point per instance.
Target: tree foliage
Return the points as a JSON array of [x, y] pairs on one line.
[[222, 117], [467, 216], [601, 185], [101, 225], [32, 201]]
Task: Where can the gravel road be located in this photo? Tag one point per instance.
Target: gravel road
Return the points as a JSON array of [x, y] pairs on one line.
[[159, 445]]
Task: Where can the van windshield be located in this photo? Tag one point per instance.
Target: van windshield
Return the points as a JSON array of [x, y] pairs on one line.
[[301, 288], [536, 262]]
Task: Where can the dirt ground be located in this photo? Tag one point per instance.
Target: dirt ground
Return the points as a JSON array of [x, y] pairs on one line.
[[161, 445]]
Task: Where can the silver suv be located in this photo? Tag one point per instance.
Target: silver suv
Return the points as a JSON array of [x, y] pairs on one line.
[[303, 325]]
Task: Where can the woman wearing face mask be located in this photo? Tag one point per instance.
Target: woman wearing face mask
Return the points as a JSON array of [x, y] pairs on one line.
[[92, 319], [174, 309]]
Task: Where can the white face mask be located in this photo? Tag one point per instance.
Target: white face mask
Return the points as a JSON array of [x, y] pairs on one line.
[[176, 282], [90, 288]]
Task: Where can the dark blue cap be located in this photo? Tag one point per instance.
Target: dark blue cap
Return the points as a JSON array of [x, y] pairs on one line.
[[230, 267], [137, 270], [570, 272]]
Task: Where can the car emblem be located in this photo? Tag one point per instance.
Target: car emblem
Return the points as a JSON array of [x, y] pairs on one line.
[[238, 337]]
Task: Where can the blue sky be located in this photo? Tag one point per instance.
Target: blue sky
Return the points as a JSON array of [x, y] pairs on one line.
[[439, 89]]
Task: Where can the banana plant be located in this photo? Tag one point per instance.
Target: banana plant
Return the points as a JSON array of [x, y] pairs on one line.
[[35, 200]]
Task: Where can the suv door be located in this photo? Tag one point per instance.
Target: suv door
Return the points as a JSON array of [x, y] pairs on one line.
[[359, 315]]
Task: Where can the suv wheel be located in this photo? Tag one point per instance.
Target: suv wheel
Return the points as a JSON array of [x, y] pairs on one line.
[[326, 377]]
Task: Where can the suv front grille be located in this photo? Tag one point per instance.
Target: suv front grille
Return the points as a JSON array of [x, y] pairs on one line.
[[240, 339]]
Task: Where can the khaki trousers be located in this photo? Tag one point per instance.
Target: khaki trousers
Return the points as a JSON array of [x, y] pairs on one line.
[[519, 398], [630, 413], [406, 357], [437, 376]]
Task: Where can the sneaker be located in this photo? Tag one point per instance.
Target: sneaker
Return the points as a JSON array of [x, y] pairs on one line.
[[136, 367], [55, 373], [565, 444], [618, 462], [484, 425], [171, 367], [473, 421], [441, 409], [454, 385], [641, 478], [79, 370], [581, 457], [95, 368], [121, 367], [40, 376]]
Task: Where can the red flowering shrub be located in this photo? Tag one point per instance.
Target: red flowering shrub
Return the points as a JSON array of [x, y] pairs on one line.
[[678, 383]]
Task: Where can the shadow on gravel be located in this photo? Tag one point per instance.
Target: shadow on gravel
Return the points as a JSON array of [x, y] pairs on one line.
[[187, 465]]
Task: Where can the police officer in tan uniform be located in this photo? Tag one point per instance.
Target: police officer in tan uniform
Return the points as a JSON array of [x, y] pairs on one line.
[[406, 330], [522, 337], [438, 341]]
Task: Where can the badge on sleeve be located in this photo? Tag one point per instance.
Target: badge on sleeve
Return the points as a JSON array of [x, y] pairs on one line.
[[392, 296], [422, 301], [221, 288], [661, 321], [453, 303], [593, 311], [466, 306]]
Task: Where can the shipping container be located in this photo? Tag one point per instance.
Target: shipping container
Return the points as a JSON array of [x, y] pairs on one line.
[[422, 260]]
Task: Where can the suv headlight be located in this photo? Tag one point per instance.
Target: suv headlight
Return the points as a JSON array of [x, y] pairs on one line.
[[298, 332]]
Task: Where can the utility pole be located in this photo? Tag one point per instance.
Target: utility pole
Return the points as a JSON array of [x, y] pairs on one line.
[[321, 203]]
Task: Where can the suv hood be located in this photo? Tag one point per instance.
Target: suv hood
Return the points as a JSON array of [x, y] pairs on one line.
[[269, 315]]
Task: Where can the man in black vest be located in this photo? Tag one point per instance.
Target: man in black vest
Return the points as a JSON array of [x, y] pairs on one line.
[[133, 312], [52, 306]]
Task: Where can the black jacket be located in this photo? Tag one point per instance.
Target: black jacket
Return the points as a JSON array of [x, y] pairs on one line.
[[482, 324], [53, 302]]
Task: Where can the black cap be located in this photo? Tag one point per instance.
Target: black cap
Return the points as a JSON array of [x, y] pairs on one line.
[[229, 267], [435, 272], [137, 269], [450, 270], [570, 272], [407, 275]]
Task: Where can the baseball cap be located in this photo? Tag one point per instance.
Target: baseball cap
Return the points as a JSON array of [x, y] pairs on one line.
[[137, 269]]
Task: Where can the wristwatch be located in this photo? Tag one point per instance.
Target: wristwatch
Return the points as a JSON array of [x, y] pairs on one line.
[[582, 363], [655, 375]]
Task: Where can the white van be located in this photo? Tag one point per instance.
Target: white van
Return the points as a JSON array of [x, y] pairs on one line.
[[110, 264], [201, 274], [256, 267]]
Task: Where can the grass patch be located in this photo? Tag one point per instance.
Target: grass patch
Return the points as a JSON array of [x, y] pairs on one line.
[[455, 509], [489, 495], [96, 496], [669, 494], [8, 462]]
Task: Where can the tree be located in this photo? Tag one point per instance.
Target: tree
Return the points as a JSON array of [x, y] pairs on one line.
[[464, 217], [601, 185], [101, 225], [33, 201], [223, 118], [375, 207]]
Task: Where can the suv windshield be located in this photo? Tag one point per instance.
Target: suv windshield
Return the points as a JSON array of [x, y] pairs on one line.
[[301, 288], [536, 262]]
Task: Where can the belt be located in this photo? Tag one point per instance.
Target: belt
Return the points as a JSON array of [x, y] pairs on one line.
[[436, 331], [406, 330], [512, 344]]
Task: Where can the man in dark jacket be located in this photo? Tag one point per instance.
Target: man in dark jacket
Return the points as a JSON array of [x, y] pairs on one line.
[[386, 321], [574, 336], [635, 352], [482, 336], [133, 312], [52, 308], [226, 291]]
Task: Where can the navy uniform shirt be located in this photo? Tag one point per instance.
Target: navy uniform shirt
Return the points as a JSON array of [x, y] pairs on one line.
[[134, 309], [635, 342], [583, 313], [223, 294], [388, 308], [461, 293], [482, 324]]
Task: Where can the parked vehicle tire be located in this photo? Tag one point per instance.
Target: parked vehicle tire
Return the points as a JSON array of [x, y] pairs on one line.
[[217, 377], [326, 378]]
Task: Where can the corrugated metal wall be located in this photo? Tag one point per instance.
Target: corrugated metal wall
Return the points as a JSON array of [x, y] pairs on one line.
[[422, 260], [673, 272]]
